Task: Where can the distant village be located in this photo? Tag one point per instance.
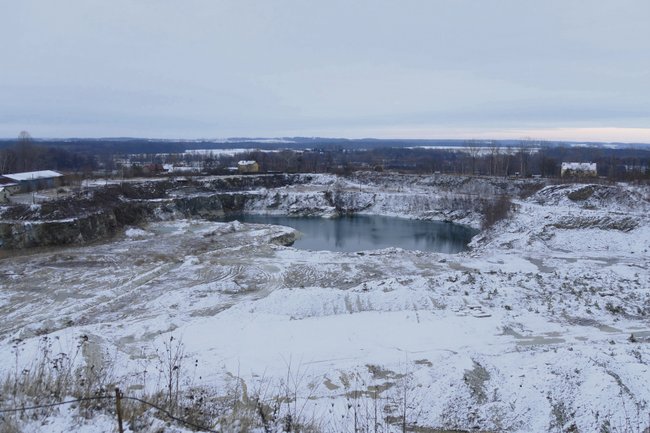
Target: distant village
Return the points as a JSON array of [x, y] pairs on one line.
[[28, 167]]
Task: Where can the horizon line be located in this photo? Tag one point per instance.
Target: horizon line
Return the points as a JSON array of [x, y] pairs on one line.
[[225, 140]]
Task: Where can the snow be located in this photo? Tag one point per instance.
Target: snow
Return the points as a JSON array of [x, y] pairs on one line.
[[528, 331], [481, 150], [32, 175], [579, 166], [137, 233], [65, 421], [231, 152]]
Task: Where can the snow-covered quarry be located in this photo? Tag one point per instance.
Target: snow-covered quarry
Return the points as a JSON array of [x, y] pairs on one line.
[[541, 326]]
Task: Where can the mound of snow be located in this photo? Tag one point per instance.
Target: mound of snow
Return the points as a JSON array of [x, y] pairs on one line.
[[593, 196], [136, 233]]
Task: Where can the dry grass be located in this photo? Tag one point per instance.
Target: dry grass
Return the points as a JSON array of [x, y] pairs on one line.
[[54, 376]]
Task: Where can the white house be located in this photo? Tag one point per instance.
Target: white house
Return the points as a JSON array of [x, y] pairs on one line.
[[248, 166], [579, 169], [34, 180]]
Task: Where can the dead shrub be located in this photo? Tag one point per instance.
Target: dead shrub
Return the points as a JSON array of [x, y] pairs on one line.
[[495, 210]]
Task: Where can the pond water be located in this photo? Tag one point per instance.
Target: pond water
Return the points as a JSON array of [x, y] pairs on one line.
[[369, 232]]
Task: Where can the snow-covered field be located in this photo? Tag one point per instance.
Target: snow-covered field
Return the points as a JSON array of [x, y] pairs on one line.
[[541, 326]]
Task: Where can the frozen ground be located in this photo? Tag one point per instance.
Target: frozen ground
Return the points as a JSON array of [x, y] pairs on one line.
[[530, 331]]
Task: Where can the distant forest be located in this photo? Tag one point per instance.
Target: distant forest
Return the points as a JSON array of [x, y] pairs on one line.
[[323, 155], [26, 154]]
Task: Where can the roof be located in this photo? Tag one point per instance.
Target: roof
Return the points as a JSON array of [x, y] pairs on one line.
[[579, 166], [243, 162], [7, 182], [32, 175]]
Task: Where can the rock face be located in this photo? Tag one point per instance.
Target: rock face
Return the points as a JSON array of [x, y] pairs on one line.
[[101, 212], [16, 235]]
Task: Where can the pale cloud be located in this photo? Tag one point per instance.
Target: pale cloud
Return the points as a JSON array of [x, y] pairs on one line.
[[623, 135], [202, 68]]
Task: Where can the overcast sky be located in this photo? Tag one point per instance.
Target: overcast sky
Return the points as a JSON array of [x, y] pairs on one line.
[[564, 69]]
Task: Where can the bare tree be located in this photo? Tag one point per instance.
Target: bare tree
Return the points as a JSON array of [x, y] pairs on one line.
[[24, 152], [7, 160], [527, 148], [473, 149], [494, 157]]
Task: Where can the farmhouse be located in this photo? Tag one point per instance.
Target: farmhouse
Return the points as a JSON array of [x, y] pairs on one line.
[[32, 180], [579, 169], [248, 167]]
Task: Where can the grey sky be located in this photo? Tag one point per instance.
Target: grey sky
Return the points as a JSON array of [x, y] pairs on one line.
[[207, 68]]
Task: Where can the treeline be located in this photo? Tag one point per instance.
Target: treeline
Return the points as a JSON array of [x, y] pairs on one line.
[[139, 157], [121, 146], [545, 161], [616, 164], [25, 155]]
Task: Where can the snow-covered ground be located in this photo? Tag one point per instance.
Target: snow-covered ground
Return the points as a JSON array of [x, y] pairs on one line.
[[529, 331]]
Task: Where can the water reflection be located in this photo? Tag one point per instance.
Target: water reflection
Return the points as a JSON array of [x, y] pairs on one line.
[[368, 232]]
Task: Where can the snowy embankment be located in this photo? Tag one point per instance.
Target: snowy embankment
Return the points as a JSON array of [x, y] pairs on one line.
[[443, 198], [542, 326]]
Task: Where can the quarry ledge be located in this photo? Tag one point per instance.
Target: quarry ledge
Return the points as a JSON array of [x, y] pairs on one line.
[[104, 210]]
